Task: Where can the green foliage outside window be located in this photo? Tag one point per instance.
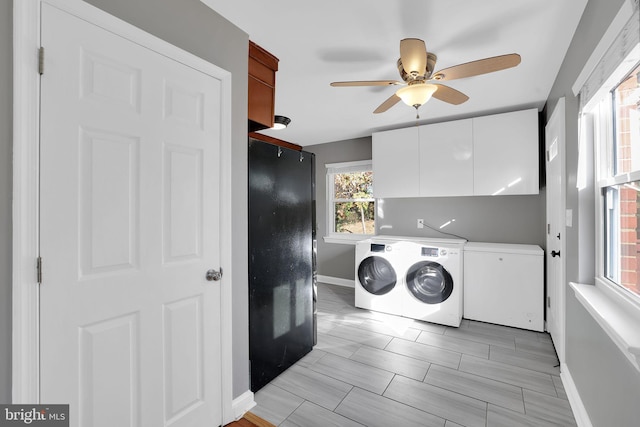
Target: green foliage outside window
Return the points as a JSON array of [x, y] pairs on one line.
[[354, 206]]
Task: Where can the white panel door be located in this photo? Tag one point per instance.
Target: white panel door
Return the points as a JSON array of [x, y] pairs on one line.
[[446, 159], [556, 230], [130, 327], [395, 162]]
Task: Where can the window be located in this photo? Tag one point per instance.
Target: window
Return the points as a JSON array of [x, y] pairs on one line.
[[350, 204], [610, 119], [619, 183]]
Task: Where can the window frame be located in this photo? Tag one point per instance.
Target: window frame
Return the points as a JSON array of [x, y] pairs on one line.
[[332, 170], [605, 176], [615, 309]]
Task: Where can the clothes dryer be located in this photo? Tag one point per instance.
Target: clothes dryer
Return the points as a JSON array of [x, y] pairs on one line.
[[433, 281]]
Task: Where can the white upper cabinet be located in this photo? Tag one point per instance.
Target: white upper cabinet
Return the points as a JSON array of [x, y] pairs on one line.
[[483, 156], [506, 153], [446, 159], [395, 158]]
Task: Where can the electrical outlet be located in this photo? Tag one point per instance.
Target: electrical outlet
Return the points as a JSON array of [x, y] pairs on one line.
[[421, 223]]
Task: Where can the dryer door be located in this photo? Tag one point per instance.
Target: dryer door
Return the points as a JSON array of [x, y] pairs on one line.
[[429, 282], [376, 275]]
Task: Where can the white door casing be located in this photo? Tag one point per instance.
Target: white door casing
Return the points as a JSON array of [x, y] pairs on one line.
[[120, 251], [556, 227]]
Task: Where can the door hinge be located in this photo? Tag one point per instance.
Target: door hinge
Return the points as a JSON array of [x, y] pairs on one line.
[[548, 302], [548, 228], [41, 60], [39, 270]]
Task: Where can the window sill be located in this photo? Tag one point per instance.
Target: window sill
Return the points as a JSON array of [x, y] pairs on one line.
[[348, 239], [621, 321]]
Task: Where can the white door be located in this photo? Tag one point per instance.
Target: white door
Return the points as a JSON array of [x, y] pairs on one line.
[[554, 149], [130, 140]]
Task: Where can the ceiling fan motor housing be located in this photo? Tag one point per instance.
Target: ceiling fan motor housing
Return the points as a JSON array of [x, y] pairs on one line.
[[408, 77]]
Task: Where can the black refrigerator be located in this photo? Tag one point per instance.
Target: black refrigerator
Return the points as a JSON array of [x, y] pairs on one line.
[[282, 286]]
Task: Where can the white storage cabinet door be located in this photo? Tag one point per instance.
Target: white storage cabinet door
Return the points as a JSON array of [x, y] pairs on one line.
[[505, 289], [396, 167], [505, 148], [446, 159]]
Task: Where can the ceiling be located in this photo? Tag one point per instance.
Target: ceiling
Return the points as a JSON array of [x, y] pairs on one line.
[[325, 41]]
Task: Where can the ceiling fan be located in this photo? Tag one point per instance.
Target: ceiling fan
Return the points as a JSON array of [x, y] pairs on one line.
[[416, 67]]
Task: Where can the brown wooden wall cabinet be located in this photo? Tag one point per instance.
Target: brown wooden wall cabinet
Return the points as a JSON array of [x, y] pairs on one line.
[[262, 87]]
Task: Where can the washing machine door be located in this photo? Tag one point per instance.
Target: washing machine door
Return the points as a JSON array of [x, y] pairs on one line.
[[429, 282], [376, 275]]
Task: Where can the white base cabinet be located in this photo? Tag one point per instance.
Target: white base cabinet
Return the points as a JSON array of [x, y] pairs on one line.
[[504, 284]]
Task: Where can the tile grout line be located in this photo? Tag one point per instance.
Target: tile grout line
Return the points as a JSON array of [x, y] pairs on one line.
[[294, 411], [446, 390], [406, 404], [387, 387], [504, 382], [427, 373], [342, 400]]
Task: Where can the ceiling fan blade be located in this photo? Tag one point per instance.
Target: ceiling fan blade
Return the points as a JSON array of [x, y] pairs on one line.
[[450, 95], [390, 102], [413, 54], [367, 83], [475, 68]]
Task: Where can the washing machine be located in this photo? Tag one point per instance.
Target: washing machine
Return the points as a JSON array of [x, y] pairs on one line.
[[379, 270], [433, 281]]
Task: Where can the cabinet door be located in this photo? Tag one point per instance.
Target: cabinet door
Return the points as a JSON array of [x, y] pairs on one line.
[[505, 289], [395, 158], [262, 87], [446, 159], [261, 104], [505, 151]]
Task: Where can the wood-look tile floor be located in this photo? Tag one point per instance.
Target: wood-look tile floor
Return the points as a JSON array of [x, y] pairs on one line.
[[372, 369]]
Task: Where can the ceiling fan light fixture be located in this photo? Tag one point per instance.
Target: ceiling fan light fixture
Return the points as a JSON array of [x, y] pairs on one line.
[[280, 122], [417, 94]]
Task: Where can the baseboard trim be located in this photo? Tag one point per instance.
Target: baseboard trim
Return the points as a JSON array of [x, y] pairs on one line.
[[242, 404], [336, 281], [578, 408]]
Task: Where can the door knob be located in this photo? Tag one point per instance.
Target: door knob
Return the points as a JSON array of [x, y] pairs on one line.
[[555, 253], [214, 275]]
